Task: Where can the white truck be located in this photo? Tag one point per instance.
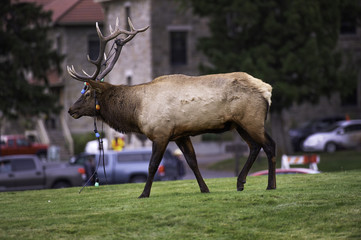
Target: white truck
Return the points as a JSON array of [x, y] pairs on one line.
[[130, 166]]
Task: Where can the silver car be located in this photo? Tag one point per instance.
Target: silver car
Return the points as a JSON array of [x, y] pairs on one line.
[[343, 134]]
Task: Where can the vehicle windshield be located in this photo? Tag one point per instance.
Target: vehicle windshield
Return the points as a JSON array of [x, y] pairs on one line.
[[320, 124], [315, 125], [307, 124], [331, 128]]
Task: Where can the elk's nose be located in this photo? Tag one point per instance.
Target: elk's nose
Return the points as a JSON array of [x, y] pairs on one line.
[[74, 114]]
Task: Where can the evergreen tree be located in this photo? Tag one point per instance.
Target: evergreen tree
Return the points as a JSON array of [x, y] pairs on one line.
[[290, 44], [25, 50]]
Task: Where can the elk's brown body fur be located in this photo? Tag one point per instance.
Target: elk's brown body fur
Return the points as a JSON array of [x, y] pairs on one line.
[[175, 107]]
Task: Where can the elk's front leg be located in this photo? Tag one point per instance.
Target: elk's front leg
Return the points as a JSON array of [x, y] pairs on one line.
[[158, 149]]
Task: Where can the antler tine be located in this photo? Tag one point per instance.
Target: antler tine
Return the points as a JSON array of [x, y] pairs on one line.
[[69, 71], [116, 32], [98, 31], [85, 73], [72, 73], [77, 76], [131, 24], [134, 32], [86, 77]]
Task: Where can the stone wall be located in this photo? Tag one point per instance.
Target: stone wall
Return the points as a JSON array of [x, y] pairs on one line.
[[168, 16], [134, 64]]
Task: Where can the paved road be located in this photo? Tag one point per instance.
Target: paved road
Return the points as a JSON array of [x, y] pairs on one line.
[[205, 160], [208, 174]]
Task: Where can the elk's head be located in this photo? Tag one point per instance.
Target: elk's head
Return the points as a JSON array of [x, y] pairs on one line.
[[86, 104]]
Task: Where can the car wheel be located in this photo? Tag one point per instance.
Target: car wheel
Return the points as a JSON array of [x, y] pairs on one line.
[[138, 179], [42, 155], [61, 184], [330, 147], [300, 147]]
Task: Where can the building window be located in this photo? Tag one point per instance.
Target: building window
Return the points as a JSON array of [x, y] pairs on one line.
[[129, 80], [93, 47], [178, 48], [127, 15]]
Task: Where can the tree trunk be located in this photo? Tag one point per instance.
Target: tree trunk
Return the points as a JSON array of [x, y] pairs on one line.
[[280, 134]]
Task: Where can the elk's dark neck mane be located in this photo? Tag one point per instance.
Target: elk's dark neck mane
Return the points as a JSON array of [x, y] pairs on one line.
[[119, 107]]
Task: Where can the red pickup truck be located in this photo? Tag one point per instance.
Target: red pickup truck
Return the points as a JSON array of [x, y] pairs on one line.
[[18, 144]]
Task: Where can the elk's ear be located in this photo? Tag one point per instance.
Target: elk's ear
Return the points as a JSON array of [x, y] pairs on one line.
[[99, 87]]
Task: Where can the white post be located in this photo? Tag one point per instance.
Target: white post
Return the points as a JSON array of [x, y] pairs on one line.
[[285, 164], [42, 133]]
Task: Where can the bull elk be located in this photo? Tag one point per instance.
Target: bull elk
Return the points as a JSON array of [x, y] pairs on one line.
[[175, 107]]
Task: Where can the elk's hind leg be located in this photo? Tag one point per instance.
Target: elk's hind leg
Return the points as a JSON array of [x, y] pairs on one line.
[[270, 149], [185, 145], [254, 148]]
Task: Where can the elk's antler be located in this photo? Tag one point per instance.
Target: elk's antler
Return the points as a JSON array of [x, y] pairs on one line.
[[102, 43]]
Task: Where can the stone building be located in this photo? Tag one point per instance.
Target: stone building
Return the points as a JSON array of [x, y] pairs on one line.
[[74, 36]]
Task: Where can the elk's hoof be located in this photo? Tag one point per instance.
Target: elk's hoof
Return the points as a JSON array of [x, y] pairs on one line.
[[205, 190], [270, 188], [240, 188], [240, 185], [144, 196]]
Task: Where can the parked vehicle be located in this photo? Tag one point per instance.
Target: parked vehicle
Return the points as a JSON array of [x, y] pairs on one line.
[[298, 135], [24, 172], [287, 171], [19, 144], [130, 166], [343, 134]]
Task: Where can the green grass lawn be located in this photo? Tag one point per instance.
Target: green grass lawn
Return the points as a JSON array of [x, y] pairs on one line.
[[330, 162], [321, 206]]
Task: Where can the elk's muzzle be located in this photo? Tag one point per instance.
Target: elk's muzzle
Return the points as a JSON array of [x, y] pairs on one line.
[[73, 113]]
